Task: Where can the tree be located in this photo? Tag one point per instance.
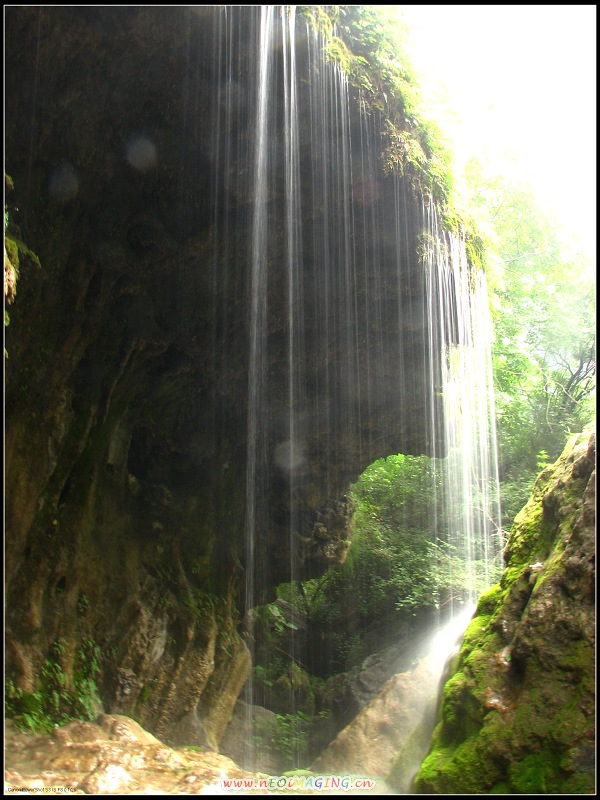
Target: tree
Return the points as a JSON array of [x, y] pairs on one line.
[[545, 345]]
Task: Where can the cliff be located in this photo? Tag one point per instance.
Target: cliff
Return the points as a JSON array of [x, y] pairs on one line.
[[184, 407]]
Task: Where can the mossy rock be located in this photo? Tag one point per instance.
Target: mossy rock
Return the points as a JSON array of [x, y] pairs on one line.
[[537, 773], [517, 714]]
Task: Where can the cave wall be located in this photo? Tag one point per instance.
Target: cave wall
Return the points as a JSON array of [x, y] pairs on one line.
[[518, 709], [128, 351]]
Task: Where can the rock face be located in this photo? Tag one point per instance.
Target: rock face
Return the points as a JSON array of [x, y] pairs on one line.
[[172, 439], [254, 736], [391, 723], [113, 755], [518, 712]]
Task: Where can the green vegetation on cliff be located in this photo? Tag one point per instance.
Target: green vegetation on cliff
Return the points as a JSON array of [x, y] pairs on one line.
[[517, 712], [368, 44], [67, 689], [15, 252], [400, 570]]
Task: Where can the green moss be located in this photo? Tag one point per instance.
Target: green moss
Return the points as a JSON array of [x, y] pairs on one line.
[[430, 773], [460, 710], [317, 17], [566, 723], [489, 600], [474, 768], [526, 535], [480, 645], [463, 693], [298, 772], [337, 52], [473, 635], [17, 250], [549, 709], [578, 658], [502, 787], [579, 784], [537, 773], [144, 695], [466, 769], [12, 251], [521, 725]]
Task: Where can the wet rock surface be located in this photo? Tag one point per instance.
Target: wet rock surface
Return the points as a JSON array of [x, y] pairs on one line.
[[115, 755], [390, 723]]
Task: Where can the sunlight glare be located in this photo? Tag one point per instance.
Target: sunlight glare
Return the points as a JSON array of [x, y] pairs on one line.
[[517, 84]]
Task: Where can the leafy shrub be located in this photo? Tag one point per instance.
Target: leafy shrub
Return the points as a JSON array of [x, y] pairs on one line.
[[58, 698]]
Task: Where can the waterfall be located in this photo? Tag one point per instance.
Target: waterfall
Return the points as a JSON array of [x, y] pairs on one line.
[[256, 445], [460, 370], [256, 448], [279, 305], [357, 296], [332, 263]]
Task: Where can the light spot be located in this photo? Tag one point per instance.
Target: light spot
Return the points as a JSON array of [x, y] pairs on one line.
[[290, 456], [140, 152]]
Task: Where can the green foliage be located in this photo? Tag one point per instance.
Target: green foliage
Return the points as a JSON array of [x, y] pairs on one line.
[[279, 622], [337, 51], [544, 353], [543, 461], [401, 557], [60, 696], [268, 675], [292, 736], [368, 43], [15, 252], [273, 622], [350, 648], [26, 709], [83, 605], [449, 572], [319, 18], [400, 561]]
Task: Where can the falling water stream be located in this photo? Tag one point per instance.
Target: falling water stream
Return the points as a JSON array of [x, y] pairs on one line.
[[460, 345], [265, 297], [324, 221]]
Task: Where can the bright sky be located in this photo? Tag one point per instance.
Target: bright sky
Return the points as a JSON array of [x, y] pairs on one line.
[[521, 80]]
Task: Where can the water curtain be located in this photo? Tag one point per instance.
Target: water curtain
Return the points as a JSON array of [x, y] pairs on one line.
[[460, 339], [324, 223]]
